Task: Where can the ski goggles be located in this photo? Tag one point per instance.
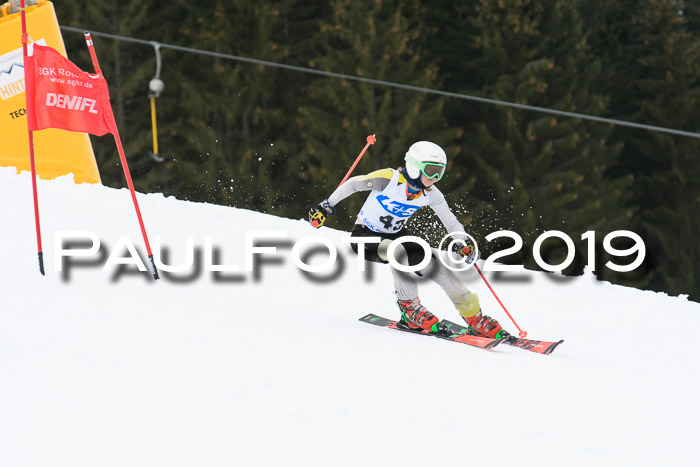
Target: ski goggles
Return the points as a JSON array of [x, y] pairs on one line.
[[432, 170], [429, 169]]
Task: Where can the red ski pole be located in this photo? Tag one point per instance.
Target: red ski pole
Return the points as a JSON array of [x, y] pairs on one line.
[[522, 334], [371, 139]]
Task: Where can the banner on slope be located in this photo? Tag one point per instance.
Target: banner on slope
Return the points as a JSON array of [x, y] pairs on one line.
[[61, 95]]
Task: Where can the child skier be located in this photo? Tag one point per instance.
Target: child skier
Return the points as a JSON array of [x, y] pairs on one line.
[[395, 195]]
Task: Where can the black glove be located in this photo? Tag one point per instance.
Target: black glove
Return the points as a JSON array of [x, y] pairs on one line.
[[469, 252], [319, 213]]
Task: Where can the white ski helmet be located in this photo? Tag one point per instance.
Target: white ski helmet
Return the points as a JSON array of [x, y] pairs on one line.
[[427, 158]]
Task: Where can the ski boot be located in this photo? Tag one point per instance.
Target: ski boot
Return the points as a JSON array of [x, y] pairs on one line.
[[485, 326], [416, 317]]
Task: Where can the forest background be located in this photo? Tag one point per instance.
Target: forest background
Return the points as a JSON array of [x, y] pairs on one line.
[[274, 140]]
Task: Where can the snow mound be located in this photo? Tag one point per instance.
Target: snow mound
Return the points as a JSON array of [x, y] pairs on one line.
[[272, 367]]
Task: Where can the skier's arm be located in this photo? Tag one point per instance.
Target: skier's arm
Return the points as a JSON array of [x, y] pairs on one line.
[[446, 216], [377, 180], [453, 226]]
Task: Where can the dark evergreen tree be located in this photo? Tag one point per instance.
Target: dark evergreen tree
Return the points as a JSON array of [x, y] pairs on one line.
[[127, 67], [223, 113], [223, 125], [530, 172], [651, 51], [382, 41]]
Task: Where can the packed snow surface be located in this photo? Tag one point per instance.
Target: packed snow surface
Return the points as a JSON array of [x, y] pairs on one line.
[[106, 367]]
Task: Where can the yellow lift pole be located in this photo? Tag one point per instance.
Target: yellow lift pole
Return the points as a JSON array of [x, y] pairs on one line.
[[155, 87]]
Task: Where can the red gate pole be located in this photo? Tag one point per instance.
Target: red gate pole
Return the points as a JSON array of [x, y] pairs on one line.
[[30, 134], [125, 165]]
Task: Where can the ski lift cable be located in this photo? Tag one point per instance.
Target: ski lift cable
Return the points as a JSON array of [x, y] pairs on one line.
[[330, 74]]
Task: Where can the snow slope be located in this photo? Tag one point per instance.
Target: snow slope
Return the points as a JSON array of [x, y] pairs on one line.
[[275, 369]]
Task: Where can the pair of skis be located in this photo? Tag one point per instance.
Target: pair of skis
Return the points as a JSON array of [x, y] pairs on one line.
[[463, 335]]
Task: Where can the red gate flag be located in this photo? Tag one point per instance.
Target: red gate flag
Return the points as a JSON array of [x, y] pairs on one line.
[[61, 95]]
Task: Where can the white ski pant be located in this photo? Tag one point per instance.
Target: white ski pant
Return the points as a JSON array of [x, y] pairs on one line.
[[466, 301], [406, 285]]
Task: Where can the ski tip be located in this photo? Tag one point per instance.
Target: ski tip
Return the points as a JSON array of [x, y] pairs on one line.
[[551, 348]]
